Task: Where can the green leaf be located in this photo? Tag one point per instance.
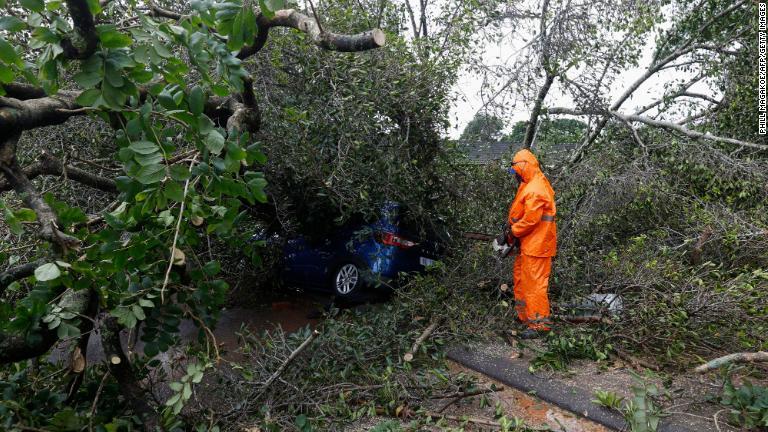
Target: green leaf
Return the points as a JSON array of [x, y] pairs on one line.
[[161, 50], [26, 215], [47, 272], [6, 74], [125, 317], [12, 24], [33, 5], [212, 268], [111, 38], [87, 79], [67, 331], [148, 159], [138, 312], [180, 172], [113, 75], [174, 191], [172, 401], [88, 97], [151, 174], [94, 6], [268, 7], [7, 53], [144, 147], [176, 386], [214, 142], [196, 100]]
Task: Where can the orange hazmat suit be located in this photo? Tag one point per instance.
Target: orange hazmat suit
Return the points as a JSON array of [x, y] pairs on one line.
[[532, 220]]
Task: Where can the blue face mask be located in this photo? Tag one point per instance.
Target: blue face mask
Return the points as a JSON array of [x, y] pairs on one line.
[[511, 171]]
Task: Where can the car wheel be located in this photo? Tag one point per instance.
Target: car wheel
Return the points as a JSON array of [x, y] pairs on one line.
[[347, 280]]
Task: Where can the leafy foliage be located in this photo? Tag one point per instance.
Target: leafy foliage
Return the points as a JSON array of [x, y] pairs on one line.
[[567, 345], [748, 404]]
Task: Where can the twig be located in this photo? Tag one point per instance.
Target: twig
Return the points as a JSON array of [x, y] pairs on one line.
[[459, 396], [290, 358], [715, 418], [209, 334], [469, 393], [317, 18], [461, 419], [408, 357], [96, 400], [172, 258], [636, 361], [760, 356]]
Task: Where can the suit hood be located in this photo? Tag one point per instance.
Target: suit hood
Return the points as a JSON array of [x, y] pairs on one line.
[[526, 165]]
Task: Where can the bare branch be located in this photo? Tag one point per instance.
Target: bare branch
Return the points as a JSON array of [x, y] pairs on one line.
[[17, 346], [49, 165], [327, 40], [760, 356], [46, 217], [17, 273], [660, 124]]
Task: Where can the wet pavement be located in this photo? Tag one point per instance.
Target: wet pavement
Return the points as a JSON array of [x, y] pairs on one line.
[[290, 312]]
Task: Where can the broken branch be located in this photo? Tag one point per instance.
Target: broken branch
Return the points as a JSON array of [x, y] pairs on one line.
[[744, 357], [288, 361], [327, 40], [408, 357]]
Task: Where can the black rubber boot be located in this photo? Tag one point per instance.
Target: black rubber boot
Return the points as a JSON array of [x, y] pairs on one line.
[[532, 334]]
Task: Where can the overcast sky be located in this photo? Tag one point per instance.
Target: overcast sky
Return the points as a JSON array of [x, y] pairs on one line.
[[469, 85]]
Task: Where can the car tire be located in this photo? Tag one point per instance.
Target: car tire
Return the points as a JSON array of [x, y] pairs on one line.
[[347, 280]]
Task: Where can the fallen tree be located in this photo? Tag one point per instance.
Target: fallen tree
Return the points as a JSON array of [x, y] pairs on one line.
[[184, 163]]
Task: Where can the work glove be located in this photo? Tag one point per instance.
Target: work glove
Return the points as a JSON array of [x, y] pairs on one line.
[[501, 246]]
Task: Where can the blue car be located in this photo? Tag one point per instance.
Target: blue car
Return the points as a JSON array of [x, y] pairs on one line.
[[360, 255]]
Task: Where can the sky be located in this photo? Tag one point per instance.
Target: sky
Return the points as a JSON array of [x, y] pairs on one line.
[[469, 86]]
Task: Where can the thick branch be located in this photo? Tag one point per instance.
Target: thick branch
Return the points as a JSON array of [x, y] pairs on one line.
[[19, 346], [17, 273], [246, 116], [760, 356], [17, 115], [120, 368], [331, 41], [49, 165], [408, 357], [23, 91], [31, 197], [84, 40], [530, 129]]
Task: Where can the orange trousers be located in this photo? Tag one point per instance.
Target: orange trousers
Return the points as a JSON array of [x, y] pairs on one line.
[[531, 278]]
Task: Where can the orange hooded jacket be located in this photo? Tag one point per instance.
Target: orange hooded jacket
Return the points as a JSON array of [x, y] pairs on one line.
[[532, 213]]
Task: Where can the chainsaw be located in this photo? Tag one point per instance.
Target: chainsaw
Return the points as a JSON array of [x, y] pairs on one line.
[[500, 244]]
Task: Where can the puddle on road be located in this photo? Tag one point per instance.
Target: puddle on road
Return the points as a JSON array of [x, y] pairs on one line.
[[290, 312]]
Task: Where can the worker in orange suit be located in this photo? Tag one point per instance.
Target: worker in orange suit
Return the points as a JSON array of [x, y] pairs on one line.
[[532, 220]]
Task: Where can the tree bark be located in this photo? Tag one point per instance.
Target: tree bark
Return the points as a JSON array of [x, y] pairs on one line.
[[327, 40], [17, 273], [82, 43], [760, 356], [50, 165], [31, 197], [17, 346], [123, 373]]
